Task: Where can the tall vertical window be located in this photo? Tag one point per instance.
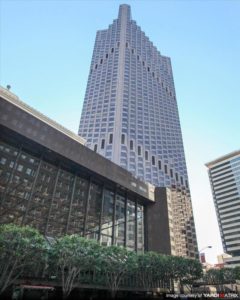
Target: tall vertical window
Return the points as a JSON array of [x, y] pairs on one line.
[[146, 155], [107, 218], [181, 180], [103, 144], [165, 169], [131, 225], [131, 145], [120, 221], [95, 147], [176, 176], [123, 139], [140, 228], [94, 208], [159, 165], [153, 160], [110, 138], [139, 150]]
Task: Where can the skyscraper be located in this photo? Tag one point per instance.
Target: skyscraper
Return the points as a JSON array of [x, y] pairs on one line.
[[130, 112], [224, 175], [130, 116]]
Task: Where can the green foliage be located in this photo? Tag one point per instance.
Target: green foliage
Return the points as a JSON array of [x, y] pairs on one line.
[[114, 262], [150, 269], [188, 271], [236, 272], [221, 276], [72, 254], [21, 248]]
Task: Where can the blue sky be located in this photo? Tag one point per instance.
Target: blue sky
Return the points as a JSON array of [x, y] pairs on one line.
[[45, 54]]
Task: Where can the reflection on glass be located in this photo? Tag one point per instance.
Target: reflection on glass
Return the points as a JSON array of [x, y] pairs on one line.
[[94, 209], [60, 205], [140, 226], [107, 216], [76, 218], [120, 220], [130, 224]]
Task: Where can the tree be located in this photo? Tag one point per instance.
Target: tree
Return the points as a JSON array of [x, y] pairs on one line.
[[189, 271], [72, 254], [171, 269], [150, 269], [20, 248], [236, 272], [115, 262], [215, 277]]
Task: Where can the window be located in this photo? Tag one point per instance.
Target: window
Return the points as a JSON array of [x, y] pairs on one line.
[[106, 55], [123, 139], [146, 155], [153, 160], [139, 150], [165, 169], [176, 176], [110, 138], [96, 66], [103, 144], [159, 165], [131, 145], [101, 61], [171, 173], [181, 180], [95, 148]]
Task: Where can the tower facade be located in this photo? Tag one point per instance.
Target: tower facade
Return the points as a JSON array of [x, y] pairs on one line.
[[130, 116], [224, 175], [130, 112]]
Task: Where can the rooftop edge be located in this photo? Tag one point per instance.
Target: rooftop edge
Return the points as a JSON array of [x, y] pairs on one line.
[[222, 158], [11, 97]]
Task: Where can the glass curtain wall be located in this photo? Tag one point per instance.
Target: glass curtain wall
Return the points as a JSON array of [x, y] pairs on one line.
[[56, 201]]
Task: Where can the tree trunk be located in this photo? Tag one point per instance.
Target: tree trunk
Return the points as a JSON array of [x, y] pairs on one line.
[[113, 294]]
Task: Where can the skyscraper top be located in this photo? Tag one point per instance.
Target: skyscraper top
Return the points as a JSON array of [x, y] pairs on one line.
[[124, 11]]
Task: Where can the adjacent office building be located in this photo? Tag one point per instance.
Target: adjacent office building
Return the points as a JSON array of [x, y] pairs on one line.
[[130, 116], [224, 174]]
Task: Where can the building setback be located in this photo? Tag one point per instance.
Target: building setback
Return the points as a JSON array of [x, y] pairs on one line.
[[50, 180], [130, 116], [224, 175]]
